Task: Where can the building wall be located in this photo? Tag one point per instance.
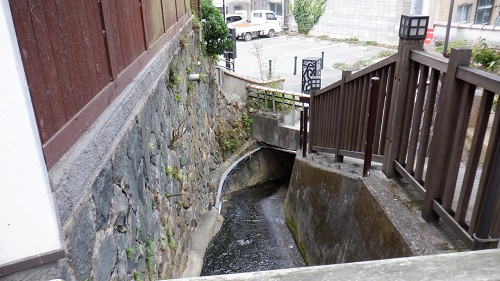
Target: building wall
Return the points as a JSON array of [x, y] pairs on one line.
[[376, 20], [444, 6], [130, 192]]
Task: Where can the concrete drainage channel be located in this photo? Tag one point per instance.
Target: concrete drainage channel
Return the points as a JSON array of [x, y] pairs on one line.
[[338, 217], [255, 168]]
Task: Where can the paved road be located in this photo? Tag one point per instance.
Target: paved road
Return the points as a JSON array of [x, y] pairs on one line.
[[283, 49]]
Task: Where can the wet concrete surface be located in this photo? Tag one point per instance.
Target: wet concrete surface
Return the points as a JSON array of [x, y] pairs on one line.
[[254, 235]]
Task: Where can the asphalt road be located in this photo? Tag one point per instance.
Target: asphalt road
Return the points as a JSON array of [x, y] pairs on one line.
[[282, 50]]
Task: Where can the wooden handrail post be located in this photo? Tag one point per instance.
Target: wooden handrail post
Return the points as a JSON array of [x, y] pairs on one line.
[[445, 126], [400, 92], [340, 117], [304, 140], [301, 129], [372, 118], [311, 120]]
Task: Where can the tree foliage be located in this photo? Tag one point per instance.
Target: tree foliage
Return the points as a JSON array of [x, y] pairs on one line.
[[216, 32], [307, 13]]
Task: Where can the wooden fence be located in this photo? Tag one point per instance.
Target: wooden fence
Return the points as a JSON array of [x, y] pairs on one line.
[[423, 112], [74, 53], [339, 112]]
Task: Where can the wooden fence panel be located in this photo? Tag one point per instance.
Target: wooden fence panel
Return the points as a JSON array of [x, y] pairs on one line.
[[65, 59], [169, 13], [153, 20], [126, 38], [30, 54], [340, 112], [181, 8]]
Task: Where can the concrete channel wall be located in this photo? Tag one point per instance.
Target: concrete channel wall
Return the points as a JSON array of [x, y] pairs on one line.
[[337, 216]]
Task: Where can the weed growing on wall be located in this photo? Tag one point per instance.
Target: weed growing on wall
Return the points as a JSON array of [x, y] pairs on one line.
[[230, 138], [307, 13], [216, 32]]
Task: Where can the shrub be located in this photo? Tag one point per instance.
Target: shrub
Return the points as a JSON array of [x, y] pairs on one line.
[[486, 57], [216, 32], [307, 13], [232, 138]]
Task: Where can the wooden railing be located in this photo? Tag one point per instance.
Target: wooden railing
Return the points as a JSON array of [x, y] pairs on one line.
[[434, 170], [339, 112], [421, 123]]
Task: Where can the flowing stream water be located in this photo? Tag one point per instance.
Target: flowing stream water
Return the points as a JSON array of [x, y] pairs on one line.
[[254, 235]]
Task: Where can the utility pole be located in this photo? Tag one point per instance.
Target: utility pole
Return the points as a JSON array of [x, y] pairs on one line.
[[448, 26], [416, 7], [223, 9]]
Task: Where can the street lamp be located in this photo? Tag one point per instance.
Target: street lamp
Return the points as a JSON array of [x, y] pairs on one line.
[[413, 27]]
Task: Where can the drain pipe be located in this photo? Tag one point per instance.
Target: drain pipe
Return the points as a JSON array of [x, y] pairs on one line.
[[230, 169]]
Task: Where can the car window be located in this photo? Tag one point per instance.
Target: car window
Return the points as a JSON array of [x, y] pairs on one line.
[[257, 15], [270, 16], [231, 19]]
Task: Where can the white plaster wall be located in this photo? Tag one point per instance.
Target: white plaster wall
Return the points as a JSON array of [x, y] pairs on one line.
[[28, 218], [376, 20]]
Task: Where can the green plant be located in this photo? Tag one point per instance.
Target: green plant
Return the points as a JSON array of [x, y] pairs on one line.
[[137, 231], [174, 79], [307, 13], [130, 252], [137, 276], [265, 72], [184, 41], [178, 97], [487, 57], [341, 66], [177, 175], [168, 171], [149, 257], [231, 138], [182, 160], [216, 33], [190, 88], [454, 44], [171, 241], [177, 133]]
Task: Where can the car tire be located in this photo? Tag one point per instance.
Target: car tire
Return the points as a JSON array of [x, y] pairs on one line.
[[271, 33], [248, 36]]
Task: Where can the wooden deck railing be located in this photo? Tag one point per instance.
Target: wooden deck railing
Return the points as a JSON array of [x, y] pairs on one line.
[[434, 170], [339, 112], [423, 113]]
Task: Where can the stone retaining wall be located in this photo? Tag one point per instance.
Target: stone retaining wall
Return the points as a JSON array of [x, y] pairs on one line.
[[131, 191]]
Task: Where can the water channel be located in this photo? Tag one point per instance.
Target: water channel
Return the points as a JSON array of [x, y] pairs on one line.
[[254, 235]]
